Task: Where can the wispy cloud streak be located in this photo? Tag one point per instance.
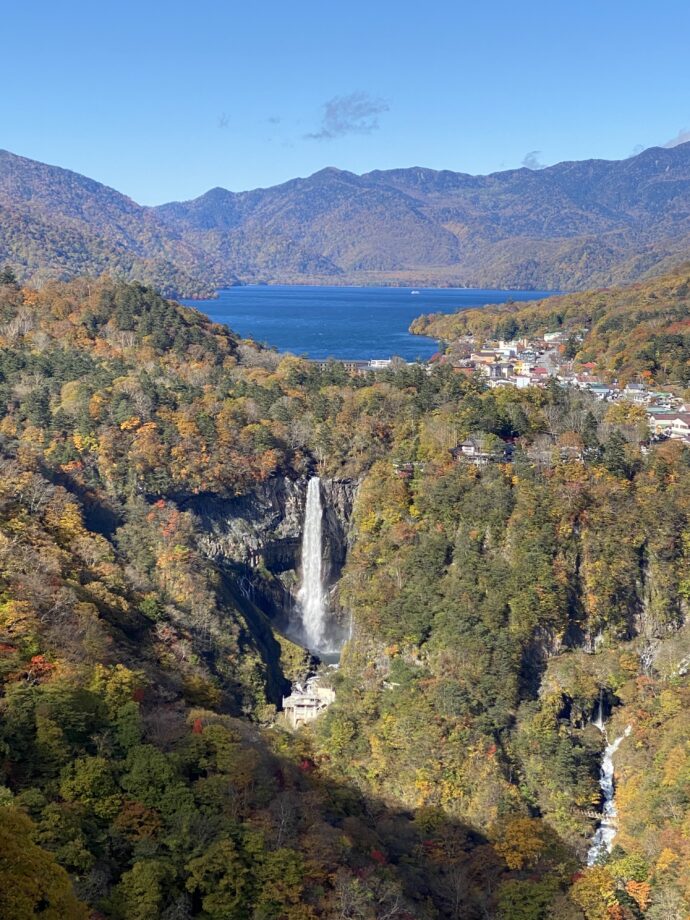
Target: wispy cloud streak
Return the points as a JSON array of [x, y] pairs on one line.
[[356, 113], [682, 137]]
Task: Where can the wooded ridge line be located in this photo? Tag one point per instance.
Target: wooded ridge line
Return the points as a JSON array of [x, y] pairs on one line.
[[569, 226]]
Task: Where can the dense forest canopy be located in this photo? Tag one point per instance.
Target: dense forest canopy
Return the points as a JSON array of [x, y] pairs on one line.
[[144, 773]]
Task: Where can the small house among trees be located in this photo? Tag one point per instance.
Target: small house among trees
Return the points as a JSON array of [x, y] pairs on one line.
[[482, 450]]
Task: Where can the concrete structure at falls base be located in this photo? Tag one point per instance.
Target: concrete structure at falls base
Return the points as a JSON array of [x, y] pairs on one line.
[[304, 706]]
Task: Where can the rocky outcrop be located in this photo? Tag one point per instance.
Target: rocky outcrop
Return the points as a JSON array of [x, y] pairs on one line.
[[260, 528]]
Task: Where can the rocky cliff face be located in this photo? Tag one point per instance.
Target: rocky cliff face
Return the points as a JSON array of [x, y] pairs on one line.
[[262, 528], [338, 497], [258, 537]]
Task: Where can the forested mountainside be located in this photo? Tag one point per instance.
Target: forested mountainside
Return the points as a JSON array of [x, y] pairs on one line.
[[569, 226], [144, 773], [57, 224], [642, 330]]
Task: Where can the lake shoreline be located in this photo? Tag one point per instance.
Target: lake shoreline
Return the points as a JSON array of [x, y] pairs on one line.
[[344, 322]]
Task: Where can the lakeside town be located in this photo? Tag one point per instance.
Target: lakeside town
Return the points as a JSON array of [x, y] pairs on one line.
[[540, 361]]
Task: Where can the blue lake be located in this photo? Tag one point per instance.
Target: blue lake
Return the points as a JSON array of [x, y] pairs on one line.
[[343, 322]]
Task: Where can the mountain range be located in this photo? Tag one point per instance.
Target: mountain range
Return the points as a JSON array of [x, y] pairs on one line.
[[568, 226]]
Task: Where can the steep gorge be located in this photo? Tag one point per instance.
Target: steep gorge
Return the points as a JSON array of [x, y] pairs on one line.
[[256, 541], [491, 605]]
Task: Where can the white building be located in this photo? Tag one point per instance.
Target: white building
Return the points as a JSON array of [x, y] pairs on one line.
[[305, 705], [636, 392], [672, 424]]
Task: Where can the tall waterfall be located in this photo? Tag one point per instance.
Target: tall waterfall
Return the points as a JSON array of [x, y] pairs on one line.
[[602, 842], [311, 595]]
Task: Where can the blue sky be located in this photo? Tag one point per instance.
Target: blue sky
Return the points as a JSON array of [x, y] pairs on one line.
[[166, 100]]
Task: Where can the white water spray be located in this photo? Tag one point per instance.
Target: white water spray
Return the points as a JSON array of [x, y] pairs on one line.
[[602, 842], [311, 596], [599, 718]]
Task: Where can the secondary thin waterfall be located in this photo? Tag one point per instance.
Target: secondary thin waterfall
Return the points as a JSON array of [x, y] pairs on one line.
[[602, 842], [599, 718], [311, 596]]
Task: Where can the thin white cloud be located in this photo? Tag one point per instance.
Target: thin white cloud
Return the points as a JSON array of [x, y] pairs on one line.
[[356, 113], [683, 137], [531, 160]]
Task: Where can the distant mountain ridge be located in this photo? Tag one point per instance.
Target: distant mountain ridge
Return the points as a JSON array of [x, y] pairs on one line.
[[568, 226]]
